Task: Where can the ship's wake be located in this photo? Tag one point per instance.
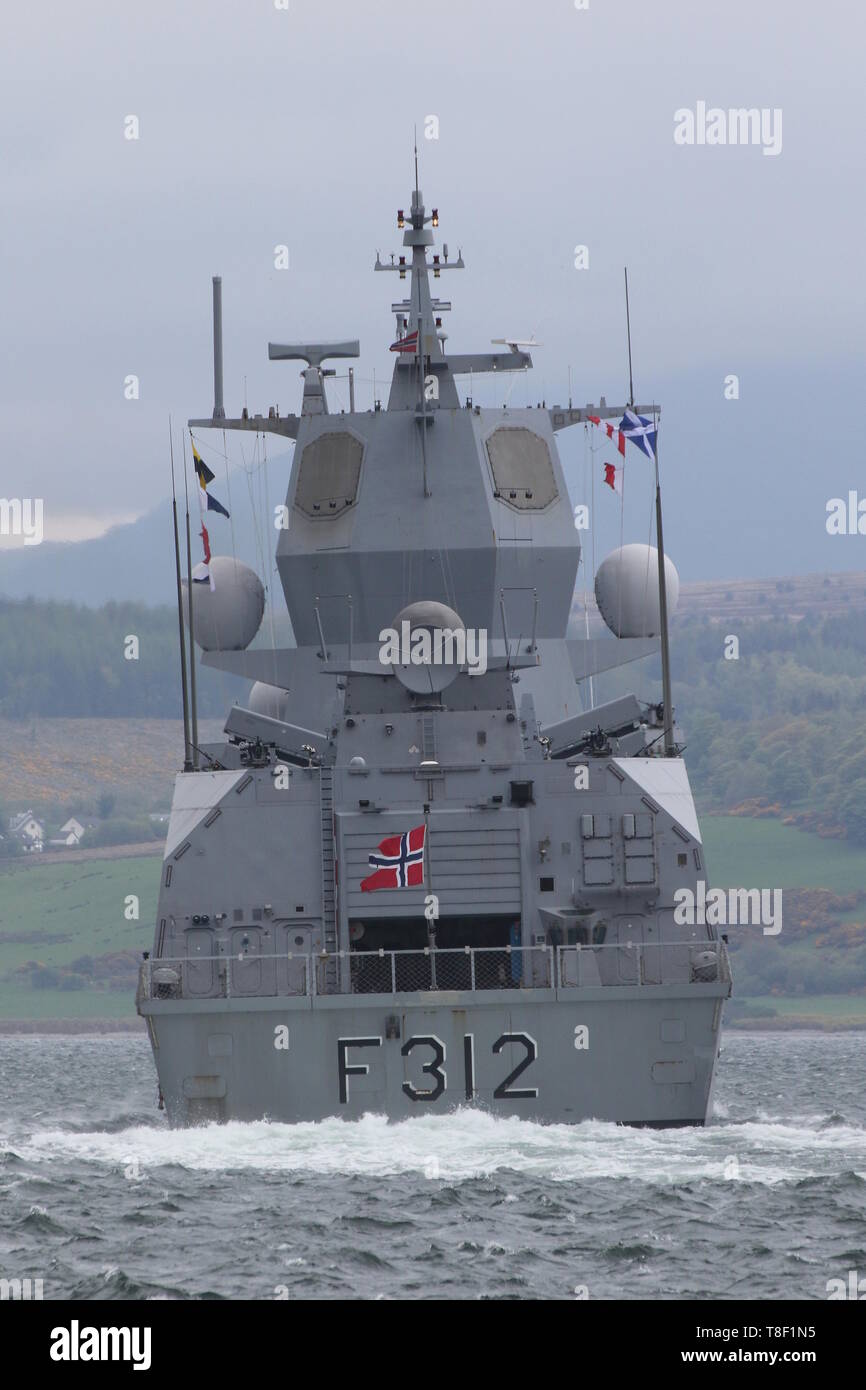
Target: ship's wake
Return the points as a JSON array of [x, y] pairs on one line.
[[471, 1144]]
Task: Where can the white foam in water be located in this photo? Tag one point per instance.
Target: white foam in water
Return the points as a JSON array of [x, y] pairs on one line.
[[471, 1144]]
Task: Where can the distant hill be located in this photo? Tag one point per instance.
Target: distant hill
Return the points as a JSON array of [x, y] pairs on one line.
[[135, 562], [723, 600], [746, 487], [797, 596]]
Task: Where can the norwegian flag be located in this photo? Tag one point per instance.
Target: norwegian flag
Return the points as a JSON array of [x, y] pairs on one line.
[[398, 863], [407, 344], [613, 477]]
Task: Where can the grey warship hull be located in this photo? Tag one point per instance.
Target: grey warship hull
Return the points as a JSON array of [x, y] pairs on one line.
[[252, 1022], [218, 1063], [434, 874]]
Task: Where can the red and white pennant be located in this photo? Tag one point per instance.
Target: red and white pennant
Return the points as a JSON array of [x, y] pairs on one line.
[[611, 431]]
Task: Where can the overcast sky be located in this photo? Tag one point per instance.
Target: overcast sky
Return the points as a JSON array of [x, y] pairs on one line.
[[261, 126]]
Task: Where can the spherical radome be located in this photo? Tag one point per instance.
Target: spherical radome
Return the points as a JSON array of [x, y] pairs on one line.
[[227, 617], [269, 700], [430, 614], [442, 624], [627, 590]]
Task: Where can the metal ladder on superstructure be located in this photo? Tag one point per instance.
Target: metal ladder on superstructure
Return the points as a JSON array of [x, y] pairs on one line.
[[428, 736], [329, 886]]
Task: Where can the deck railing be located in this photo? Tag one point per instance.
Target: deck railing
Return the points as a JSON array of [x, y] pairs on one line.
[[465, 969], [461, 968]]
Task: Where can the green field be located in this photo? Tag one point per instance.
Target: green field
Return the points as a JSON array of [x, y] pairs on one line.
[[32, 1004], [61, 912], [840, 1010], [825, 1005], [745, 853]]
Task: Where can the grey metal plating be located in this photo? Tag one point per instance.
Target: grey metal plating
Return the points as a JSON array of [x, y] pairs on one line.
[[537, 969]]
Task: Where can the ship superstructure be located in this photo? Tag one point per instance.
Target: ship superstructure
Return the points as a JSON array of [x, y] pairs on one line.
[[429, 874]]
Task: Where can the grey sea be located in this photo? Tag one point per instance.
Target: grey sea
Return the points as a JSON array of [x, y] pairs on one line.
[[100, 1200]]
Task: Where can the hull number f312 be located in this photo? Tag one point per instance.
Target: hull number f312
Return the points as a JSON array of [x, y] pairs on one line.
[[433, 1066]]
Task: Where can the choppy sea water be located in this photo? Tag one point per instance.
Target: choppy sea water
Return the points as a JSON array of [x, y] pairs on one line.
[[102, 1201]]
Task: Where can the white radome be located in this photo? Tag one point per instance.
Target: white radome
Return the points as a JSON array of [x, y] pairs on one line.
[[227, 617], [269, 700], [627, 590], [432, 616]]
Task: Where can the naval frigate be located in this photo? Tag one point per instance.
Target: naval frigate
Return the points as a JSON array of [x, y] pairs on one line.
[[423, 870]]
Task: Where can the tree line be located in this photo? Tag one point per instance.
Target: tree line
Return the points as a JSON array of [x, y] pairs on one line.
[[783, 723], [66, 660]]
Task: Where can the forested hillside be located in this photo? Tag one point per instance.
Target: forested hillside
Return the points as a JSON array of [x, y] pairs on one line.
[[64, 660], [781, 728], [784, 725]]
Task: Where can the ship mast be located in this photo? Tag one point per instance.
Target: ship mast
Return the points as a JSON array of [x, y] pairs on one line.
[[670, 748], [669, 745], [422, 399], [187, 747]]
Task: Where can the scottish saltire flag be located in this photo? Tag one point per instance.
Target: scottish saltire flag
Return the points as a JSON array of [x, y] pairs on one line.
[[205, 476], [398, 862], [640, 431], [613, 477]]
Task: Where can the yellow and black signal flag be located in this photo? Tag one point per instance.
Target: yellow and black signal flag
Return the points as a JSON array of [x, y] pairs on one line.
[[202, 472], [205, 476]]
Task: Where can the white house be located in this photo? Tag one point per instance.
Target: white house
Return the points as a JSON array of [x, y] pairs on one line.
[[69, 835], [27, 829]]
